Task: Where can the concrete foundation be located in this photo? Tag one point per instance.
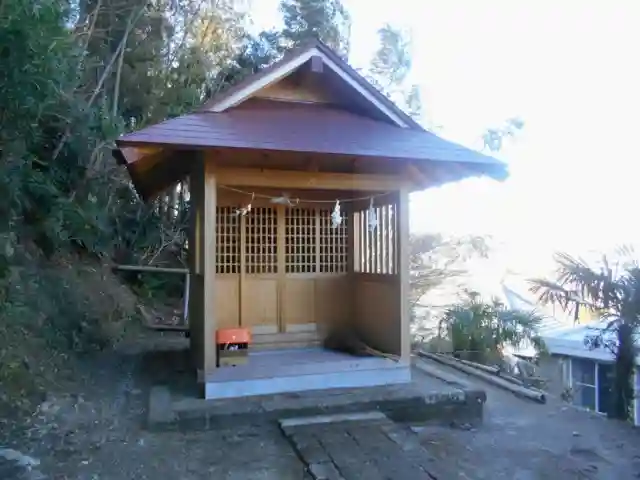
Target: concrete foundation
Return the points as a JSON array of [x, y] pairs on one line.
[[425, 399], [298, 370]]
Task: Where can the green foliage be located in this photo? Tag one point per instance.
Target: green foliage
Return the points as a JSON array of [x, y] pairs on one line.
[[74, 76], [480, 330], [51, 313], [610, 287], [390, 68], [327, 20]]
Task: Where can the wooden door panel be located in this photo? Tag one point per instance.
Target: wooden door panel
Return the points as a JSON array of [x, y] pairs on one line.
[[227, 294], [298, 304], [260, 304]]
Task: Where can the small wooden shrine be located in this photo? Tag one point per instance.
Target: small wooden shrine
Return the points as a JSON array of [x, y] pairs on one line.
[[299, 183]]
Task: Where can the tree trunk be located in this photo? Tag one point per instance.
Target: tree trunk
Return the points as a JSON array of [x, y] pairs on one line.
[[624, 367]]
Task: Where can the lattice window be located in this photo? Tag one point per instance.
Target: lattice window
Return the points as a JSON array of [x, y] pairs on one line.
[[334, 244], [261, 240], [375, 251], [227, 241], [300, 234]]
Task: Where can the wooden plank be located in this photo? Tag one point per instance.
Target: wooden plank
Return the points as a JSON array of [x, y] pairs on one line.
[[261, 302], [384, 234], [352, 240], [363, 246], [388, 238], [419, 177], [135, 154], [316, 64], [298, 299], [196, 285], [243, 270], [333, 300], [255, 177], [370, 261], [210, 310], [227, 301], [150, 269], [375, 247], [288, 90], [317, 235], [403, 273], [281, 261]]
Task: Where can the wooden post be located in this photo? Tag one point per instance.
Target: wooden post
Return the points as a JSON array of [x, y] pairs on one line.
[[242, 278], [185, 308], [281, 266], [351, 239], [404, 274], [209, 257], [196, 283]]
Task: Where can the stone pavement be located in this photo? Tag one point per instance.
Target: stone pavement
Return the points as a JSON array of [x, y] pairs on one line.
[[365, 446]]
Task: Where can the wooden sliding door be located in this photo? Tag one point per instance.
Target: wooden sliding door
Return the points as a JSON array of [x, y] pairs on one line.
[[259, 271], [281, 270]]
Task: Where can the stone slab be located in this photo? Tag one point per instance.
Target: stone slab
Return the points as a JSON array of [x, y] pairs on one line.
[[322, 419], [160, 408], [375, 450]]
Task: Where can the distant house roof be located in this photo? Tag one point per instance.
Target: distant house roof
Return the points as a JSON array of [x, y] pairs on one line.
[[560, 335], [574, 342], [551, 320], [517, 297], [360, 123]]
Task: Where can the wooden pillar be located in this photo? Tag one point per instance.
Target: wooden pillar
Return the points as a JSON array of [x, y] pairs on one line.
[[209, 258], [202, 266], [404, 274], [196, 283], [351, 239], [281, 245]]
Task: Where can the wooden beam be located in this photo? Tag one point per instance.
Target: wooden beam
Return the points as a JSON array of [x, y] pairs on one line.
[[150, 269], [316, 64], [404, 274], [128, 155], [284, 179], [313, 165], [311, 78], [418, 176], [209, 251], [196, 264]]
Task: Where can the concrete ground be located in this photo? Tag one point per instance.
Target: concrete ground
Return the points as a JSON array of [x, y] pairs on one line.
[[96, 433], [523, 440]]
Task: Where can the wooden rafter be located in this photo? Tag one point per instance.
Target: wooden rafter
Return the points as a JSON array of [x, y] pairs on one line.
[[305, 180]]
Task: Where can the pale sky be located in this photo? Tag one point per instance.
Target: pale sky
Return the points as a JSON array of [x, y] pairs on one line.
[[570, 69]]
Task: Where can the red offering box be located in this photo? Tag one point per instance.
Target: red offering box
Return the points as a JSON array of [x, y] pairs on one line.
[[226, 336]]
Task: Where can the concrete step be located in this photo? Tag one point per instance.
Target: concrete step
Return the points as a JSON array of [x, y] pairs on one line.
[[410, 403]]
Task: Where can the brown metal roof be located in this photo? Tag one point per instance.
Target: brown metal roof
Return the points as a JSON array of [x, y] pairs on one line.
[[299, 127]]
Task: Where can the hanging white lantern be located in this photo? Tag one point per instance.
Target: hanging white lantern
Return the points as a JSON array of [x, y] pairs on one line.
[[336, 216], [373, 218]]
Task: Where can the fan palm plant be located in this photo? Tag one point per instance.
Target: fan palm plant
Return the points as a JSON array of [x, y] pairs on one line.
[[480, 329], [612, 289]]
